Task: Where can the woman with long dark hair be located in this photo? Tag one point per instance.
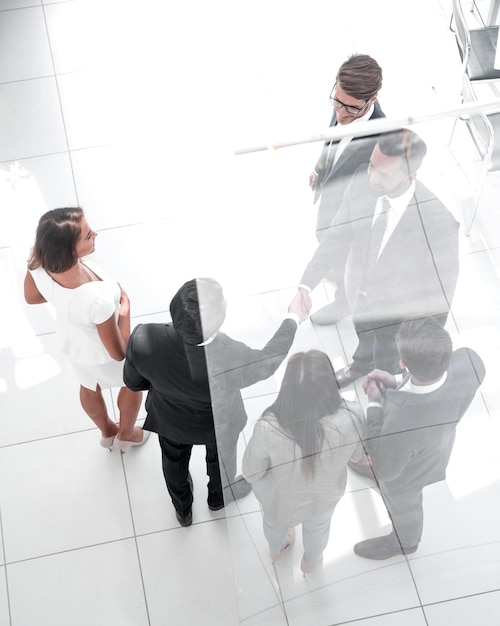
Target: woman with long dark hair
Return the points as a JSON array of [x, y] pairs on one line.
[[297, 457], [93, 319]]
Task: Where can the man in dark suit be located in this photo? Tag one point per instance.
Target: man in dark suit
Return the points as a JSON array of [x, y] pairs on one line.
[[193, 374], [354, 99], [410, 428], [398, 247]]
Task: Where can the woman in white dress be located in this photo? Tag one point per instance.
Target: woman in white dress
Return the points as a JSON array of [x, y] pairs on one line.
[[92, 322], [297, 456]]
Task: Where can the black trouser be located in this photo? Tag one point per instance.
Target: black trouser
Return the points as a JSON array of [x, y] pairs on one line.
[[175, 462]]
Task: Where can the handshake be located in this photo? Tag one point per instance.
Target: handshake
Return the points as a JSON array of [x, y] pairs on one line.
[[301, 304]]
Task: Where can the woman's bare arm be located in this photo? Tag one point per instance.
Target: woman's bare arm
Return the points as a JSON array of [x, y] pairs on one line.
[[115, 335]]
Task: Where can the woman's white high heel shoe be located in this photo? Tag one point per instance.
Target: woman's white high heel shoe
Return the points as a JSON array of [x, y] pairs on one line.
[[107, 442], [122, 445]]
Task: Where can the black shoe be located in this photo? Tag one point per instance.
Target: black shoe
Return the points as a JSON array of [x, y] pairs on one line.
[[331, 313], [185, 520], [215, 501], [216, 507], [237, 489], [381, 548], [348, 375]]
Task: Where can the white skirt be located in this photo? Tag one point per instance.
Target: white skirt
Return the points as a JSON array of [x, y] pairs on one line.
[[106, 375]]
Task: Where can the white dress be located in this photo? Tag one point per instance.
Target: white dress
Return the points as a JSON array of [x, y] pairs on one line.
[[78, 311]]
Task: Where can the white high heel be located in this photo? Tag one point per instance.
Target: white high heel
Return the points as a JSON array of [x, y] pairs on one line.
[[122, 445], [107, 442]]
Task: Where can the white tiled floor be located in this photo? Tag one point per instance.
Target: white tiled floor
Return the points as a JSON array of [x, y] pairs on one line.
[[134, 110]]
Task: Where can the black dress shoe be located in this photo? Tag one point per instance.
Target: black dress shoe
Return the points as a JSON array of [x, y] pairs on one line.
[[331, 313], [185, 520], [381, 548], [347, 375], [215, 501]]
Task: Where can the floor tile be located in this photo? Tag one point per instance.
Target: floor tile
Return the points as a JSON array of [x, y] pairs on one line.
[[119, 187], [269, 617], [24, 46], [29, 188], [88, 102], [39, 391], [482, 608], [152, 508], [71, 25], [63, 493], [4, 602], [19, 4], [177, 560], [30, 119], [98, 585], [255, 580], [449, 575], [354, 599]]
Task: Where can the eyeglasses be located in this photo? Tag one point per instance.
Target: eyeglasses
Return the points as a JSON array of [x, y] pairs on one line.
[[352, 110]]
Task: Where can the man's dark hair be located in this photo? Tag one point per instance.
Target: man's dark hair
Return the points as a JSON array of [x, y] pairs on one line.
[[360, 77], [404, 143], [198, 310], [425, 348]]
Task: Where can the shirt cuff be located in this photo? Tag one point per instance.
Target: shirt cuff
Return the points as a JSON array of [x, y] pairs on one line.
[[305, 287], [294, 317], [374, 404]]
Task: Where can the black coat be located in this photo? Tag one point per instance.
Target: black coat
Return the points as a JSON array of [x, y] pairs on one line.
[[184, 394]]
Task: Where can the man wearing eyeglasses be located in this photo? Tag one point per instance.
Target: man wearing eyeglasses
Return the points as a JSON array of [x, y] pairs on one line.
[[354, 99]]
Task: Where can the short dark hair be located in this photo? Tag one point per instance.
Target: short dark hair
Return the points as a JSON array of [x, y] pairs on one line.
[[360, 77], [56, 237], [198, 310], [425, 348], [404, 143]]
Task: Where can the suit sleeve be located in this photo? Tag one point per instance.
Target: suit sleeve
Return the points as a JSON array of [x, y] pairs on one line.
[[388, 453], [333, 249], [257, 460], [443, 244], [131, 375], [240, 366]]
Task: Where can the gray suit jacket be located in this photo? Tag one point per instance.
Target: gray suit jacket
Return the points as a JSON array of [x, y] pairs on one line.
[[333, 178], [417, 271], [410, 438]]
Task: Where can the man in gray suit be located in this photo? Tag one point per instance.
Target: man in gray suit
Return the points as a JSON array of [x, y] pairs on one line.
[[354, 100], [410, 428], [398, 247]]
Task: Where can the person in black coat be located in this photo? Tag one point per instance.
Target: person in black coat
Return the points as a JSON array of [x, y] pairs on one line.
[[193, 374], [410, 428]]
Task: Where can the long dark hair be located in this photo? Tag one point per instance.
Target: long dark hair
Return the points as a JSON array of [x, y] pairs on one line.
[[309, 392], [56, 238]]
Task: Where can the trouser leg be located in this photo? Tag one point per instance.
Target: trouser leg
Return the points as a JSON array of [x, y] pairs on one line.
[[385, 350], [175, 462], [215, 497], [362, 357], [315, 535], [275, 535], [227, 446], [407, 515]]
